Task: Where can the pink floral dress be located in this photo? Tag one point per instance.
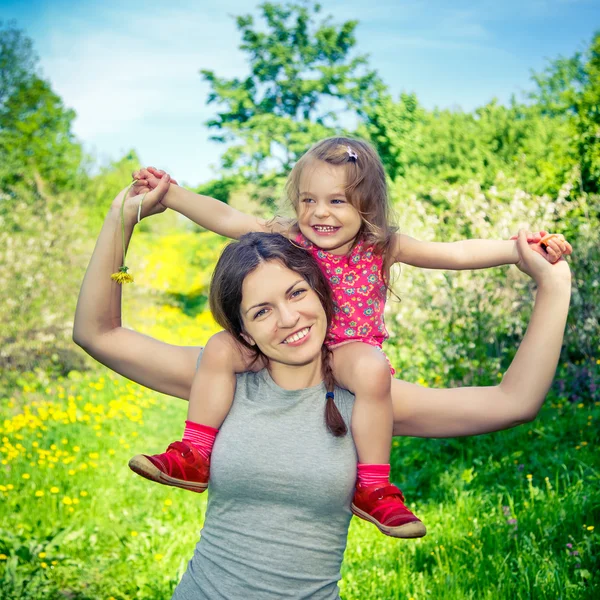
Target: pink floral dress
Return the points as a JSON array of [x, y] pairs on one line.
[[359, 293]]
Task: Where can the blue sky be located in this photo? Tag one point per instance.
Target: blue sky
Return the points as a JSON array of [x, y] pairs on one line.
[[130, 69]]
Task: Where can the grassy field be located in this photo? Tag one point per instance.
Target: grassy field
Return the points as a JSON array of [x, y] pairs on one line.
[[510, 515]]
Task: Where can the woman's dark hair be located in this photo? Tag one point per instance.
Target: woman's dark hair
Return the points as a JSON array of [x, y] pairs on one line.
[[238, 260]]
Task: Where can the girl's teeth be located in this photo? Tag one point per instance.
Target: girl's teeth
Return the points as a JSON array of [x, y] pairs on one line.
[[296, 336]]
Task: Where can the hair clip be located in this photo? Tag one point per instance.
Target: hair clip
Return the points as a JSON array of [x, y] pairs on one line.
[[351, 154]]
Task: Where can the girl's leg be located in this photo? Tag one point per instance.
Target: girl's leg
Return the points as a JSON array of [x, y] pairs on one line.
[[214, 382], [186, 464], [364, 370]]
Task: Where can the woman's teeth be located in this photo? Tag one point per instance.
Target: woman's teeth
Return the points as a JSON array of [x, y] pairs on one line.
[[297, 336]]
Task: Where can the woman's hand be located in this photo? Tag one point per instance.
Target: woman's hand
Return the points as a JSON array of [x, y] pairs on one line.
[[150, 176], [552, 246], [151, 204], [538, 268]]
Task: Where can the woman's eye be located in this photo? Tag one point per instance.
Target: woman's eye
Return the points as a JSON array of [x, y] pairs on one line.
[[260, 313], [298, 292]]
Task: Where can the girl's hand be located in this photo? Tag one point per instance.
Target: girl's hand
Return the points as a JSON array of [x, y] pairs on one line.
[[538, 268], [552, 246], [151, 204], [151, 176]]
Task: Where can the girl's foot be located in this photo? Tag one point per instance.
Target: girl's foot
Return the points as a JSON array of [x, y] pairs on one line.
[[180, 466], [384, 507]]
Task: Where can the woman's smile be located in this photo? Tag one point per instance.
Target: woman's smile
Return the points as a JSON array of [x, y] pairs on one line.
[[298, 338]]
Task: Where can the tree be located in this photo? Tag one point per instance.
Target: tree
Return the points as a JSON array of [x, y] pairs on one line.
[[36, 141], [302, 78], [569, 88]]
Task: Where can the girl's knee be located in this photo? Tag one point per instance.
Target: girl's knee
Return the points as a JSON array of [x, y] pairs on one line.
[[220, 349], [371, 373]]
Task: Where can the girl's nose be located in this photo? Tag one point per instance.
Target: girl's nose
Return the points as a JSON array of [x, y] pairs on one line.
[[321, 210]]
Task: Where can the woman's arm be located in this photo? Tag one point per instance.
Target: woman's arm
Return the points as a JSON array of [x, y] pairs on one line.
[[97, 327], [426, 412]]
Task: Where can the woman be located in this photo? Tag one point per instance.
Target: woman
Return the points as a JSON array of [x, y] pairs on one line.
[[281, 531]]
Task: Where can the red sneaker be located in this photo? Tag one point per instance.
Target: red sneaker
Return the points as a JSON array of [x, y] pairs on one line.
[[180, 466], [384, 507]]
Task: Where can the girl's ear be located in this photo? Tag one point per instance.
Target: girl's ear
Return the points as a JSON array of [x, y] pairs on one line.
[[248, 339]]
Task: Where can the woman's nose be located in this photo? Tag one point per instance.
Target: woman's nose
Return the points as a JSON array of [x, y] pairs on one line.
[[288, 317]]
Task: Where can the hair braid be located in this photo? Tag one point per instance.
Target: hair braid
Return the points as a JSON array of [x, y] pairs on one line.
[[333, 418]]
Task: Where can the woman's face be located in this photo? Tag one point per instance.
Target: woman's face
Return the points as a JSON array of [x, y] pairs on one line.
[[282, 315]]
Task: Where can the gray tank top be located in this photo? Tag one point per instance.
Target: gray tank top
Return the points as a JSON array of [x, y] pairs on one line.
[[279, 498]]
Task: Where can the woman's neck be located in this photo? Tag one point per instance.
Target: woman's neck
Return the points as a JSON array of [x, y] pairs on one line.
[[296, 377]]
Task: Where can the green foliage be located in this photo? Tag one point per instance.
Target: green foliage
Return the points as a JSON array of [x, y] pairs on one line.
[[42, 249], [569, 90], [451, 147], [36, 141], [302, 75]]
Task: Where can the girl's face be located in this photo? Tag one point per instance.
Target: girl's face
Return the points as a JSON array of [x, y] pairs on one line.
[[325, 217], [282, 315]]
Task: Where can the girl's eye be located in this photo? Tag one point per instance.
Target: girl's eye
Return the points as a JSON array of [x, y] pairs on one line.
[[307, 200], [338, 201]]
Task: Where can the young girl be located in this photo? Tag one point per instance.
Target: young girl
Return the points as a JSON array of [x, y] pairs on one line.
[[339, 193]]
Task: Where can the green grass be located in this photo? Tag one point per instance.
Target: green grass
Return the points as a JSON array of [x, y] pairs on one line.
[[506, 513]]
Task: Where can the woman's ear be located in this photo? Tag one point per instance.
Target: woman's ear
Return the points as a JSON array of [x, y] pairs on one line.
[[248, 339]]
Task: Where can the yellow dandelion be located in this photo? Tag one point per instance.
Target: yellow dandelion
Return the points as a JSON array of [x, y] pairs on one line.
[[158, 557], [54, 490], [76, 448], [54, 562], [44, 565], [42, 555], [122, 276], [71, 471], [168, 502], [529, 476], [3, 557], [10, 486], [39, 493], [133, 533], [2, 488], [64, 441], [26, 476], [83, 493], [590, 528], [66, 500]]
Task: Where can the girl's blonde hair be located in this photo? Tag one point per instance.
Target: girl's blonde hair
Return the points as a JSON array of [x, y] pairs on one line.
[[366, 186]]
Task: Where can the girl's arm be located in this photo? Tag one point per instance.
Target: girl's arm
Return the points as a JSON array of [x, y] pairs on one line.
[[98, 328], [208, 212], [212, 214], [425, 412], [469, 254]]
